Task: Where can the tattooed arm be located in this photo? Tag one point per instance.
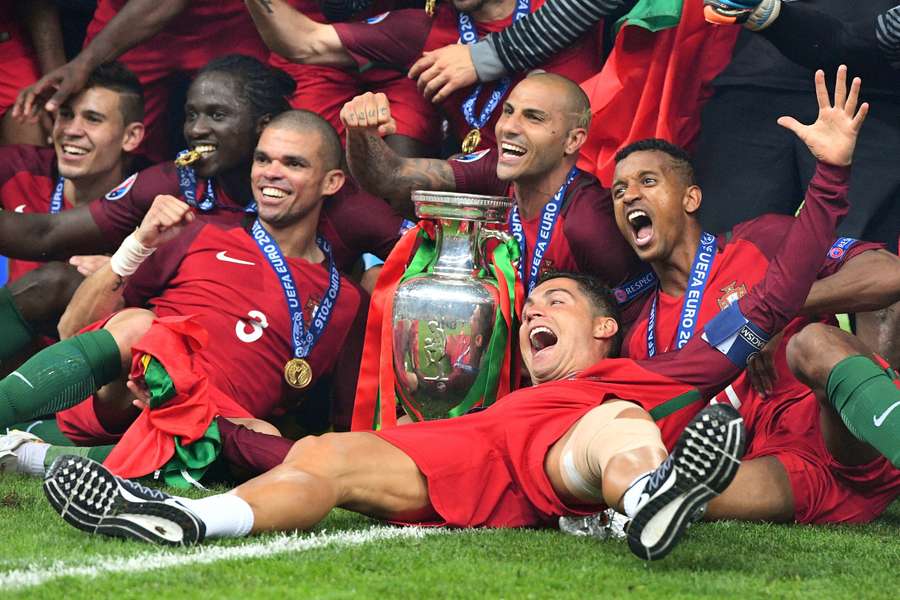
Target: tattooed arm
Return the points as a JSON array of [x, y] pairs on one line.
[[377, 168], [103, 292], [293, 35]]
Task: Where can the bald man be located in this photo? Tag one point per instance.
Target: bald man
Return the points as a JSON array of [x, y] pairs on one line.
[[268, 315], [544, 123]]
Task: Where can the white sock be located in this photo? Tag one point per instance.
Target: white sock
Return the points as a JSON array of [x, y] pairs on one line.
[[30, 458], [225, 515], [632, 496]]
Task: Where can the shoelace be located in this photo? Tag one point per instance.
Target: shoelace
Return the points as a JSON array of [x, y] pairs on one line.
[[141, 490]]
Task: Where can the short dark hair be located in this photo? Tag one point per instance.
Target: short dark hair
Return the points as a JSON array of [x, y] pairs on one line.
[[118, 78], [266, 89], [579, 105], [304, 120], [678, 157], [599, 295]]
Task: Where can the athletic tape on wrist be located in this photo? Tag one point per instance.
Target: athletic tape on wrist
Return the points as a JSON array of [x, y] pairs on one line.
[[129, 257]]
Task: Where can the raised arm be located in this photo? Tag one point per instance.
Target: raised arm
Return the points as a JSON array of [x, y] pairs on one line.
[[102, 292], [293, 35], [138, 21], [869, 45], [377, 168], [42, 20], [711, 361]]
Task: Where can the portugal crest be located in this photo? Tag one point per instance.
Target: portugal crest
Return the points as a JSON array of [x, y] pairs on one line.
[[731, 293]]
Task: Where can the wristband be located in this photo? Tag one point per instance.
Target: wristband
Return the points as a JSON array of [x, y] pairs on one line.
[[129, 257]]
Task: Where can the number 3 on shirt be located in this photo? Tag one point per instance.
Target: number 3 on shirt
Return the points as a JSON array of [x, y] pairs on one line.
[[251, 330]]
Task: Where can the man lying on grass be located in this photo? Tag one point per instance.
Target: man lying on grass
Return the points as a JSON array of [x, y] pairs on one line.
[[581, 438]]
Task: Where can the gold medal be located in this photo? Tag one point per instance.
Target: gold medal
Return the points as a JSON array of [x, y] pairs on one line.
[[471, 141], [297, 373], [429, 7], [188, 158]]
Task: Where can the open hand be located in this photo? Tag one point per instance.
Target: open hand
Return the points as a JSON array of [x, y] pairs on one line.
[[443, 71], [832, 137], [50, 91], [369, 111], [88, 265]]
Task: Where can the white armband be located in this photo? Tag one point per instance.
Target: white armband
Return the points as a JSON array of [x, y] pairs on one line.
[[129, 257]]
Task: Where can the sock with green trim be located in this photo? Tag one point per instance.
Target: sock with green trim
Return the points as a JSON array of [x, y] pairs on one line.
[[46, 429], [98, 453], [15, 332], [59, 377], [865, 397]]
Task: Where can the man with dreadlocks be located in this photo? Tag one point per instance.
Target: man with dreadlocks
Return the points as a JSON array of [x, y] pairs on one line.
[[226, 105]]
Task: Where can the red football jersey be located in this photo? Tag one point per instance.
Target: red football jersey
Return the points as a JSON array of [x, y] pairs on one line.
[[220, 275], [401, 36], [352, 220], [741, 262], [27, 181], [585, 238]]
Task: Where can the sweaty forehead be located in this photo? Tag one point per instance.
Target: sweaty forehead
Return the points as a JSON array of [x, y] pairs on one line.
[[537, 94]]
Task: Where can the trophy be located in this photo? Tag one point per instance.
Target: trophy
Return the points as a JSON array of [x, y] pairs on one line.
[[443, 318]]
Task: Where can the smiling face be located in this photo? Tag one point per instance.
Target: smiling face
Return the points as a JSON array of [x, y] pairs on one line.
[[90, 136], [562, 332], [289, 175], [218, 124], [653, 203], [535, 133]]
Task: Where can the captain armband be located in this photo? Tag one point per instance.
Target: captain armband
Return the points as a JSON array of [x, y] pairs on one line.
[[735, 336]]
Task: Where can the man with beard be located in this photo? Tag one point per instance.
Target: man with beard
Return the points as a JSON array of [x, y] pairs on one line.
[[243, 324]]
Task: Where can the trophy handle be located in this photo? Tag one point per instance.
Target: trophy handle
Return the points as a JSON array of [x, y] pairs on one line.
[[491, 234]]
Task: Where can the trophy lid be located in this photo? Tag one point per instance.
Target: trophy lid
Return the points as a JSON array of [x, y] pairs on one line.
[[471, 207]]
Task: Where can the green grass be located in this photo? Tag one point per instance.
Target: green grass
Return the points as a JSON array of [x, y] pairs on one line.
[[714, 561]]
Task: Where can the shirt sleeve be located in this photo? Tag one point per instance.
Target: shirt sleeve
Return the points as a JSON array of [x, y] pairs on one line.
[[364, 223], [557, 24], [476, 173], [711, 361], [811, 37], [396, 38], [119, 212]]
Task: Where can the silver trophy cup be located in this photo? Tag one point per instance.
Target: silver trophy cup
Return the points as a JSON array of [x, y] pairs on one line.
[[443, 319]]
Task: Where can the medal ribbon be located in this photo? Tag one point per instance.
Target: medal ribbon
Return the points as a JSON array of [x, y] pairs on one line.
[[549, 215], [693, 296], [302, 340], [468, 35], [56, 200], [187, 181]]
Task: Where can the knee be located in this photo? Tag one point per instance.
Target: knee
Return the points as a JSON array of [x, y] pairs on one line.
[[813, 352], [128, 326], [44, 293], [318, 454]]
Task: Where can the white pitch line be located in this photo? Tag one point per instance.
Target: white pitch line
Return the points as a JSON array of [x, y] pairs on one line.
[[163, 559]]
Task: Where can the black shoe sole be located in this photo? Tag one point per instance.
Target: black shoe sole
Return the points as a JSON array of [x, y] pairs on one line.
[[89, 498], [707, 456]]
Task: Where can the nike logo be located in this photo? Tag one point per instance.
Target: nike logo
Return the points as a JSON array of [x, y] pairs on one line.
[[225, 258], [880, 419], [19, 209]]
